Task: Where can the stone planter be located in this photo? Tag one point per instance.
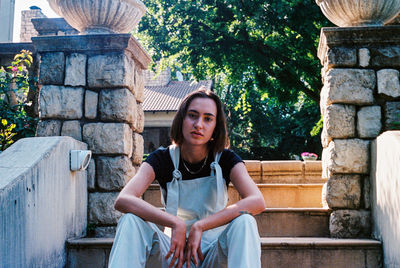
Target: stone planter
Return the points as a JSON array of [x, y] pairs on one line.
[[100, 16], [346, 13], [309, 159]]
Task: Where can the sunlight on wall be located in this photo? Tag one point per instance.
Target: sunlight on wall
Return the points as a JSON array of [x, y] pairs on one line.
[[385, 199]]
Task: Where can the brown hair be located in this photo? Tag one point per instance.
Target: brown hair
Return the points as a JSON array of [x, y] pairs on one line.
[[220, 139]]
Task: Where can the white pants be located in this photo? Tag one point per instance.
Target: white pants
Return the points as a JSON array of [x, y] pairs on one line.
[[142, 244]]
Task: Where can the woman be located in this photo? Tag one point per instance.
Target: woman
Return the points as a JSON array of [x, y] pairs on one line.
[[191, 172]]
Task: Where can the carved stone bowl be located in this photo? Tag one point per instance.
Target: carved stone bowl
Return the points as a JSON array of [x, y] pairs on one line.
[[346, 13], [100, 16]]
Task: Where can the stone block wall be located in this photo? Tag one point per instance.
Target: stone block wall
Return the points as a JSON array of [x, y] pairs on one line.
[[27, 29], [92, 90], [359, 100]]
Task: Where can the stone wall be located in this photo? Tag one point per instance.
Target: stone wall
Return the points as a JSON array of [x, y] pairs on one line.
[[359, 100], [27, 29], [92, 90]]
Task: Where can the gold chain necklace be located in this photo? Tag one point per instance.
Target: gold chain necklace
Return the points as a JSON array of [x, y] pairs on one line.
[[195, 172]]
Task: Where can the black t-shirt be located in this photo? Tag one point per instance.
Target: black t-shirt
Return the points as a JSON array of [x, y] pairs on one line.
[[163, 167]]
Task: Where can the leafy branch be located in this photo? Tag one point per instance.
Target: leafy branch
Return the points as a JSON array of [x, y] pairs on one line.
[[14, 86]]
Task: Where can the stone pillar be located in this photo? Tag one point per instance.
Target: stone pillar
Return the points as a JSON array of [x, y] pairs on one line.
[[92, 90], [359, 100]]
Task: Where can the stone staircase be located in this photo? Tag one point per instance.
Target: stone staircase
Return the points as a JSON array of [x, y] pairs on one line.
[[294, 228]]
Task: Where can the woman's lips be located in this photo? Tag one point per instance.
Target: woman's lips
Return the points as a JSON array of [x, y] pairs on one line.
[[196, 134]]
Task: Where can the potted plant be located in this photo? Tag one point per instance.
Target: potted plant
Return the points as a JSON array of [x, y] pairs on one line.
[[306, 156]]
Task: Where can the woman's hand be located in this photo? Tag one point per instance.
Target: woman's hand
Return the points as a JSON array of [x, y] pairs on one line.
[[178, 242], [193, 249]]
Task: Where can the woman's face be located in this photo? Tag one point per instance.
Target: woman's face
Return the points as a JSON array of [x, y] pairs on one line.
[[200, 121]]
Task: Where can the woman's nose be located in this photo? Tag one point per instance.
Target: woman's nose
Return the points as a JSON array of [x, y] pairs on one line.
[[197, 124]]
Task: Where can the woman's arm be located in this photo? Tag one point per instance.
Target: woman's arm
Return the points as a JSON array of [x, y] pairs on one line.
[[252, 202], [129, 201]]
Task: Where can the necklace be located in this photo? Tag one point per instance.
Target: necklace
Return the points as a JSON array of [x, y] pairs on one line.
[[195, 172]]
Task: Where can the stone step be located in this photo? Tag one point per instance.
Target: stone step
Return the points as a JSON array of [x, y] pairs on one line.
[[277, 252], [287, 195], [286, 222], [294, 222], [275, 195], [300, 252]]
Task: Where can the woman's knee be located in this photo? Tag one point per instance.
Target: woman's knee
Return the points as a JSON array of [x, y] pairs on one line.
[[245, 222], [130, 219], [244, 219]]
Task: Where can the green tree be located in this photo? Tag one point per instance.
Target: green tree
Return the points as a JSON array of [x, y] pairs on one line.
[[262, 54], [15, 83]]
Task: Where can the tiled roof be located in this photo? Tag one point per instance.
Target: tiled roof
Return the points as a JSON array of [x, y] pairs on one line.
[[168, 98]]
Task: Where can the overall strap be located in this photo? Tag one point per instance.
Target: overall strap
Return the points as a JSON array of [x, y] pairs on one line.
[[173, 189], [217, 170]]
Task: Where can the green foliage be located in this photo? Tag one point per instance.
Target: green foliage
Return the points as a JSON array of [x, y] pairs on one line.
[[262, 55], [6, 132], [14, 86], [263, 128], [318, 127], [396, 124]]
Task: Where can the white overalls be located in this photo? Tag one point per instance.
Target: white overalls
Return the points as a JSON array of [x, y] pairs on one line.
[[142, 244]]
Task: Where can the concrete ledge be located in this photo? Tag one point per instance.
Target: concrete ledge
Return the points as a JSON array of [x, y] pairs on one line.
[[313, 242], [291, 172], [90, 243], [42, 202], [266, 242], [385, 199], [14, 48]]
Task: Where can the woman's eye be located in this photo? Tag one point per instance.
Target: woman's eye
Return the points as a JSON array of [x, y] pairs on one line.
[[208, 119], [191, 115]]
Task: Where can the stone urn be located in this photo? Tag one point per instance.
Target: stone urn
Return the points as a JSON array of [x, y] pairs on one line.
[[100, 16], [346, 13]]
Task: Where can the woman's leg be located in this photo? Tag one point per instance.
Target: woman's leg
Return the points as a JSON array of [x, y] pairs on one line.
[[136, 243], [238, 246]]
